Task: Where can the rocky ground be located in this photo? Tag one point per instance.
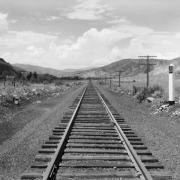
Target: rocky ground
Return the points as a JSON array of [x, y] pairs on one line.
[[25, 127], [160, 131], [28, 126], [14, 100]]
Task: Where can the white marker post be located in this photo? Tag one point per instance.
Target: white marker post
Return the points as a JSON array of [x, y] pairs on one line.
[[171, 84]]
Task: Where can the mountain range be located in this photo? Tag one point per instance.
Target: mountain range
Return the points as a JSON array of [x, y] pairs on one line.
[[6, 67], [55, 72], [130, 67]]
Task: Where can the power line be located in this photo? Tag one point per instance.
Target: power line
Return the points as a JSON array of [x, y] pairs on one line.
[[120, 71], [110, 80], [148, 67]]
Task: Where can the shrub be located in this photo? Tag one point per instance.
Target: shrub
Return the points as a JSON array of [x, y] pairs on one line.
[[58, 83], [157, 94], [45, 82], [157, 88], [144, 92], [134, 90]]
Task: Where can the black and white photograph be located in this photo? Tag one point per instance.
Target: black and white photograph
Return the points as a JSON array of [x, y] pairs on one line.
[[89, 90]]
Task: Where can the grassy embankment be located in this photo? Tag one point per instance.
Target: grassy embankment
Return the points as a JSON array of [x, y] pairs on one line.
[[140, 82], [10, 113]]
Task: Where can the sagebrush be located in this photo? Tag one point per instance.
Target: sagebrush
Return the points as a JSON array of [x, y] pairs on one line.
[[142, 93]]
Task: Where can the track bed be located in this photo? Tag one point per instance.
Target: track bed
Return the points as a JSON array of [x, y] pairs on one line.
[[94, 142]]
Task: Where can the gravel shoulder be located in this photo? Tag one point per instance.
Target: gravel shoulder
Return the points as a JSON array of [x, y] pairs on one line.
[[17, 153], [160, 134]]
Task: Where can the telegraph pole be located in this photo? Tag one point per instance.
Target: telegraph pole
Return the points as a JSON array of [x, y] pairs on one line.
[[110, 80], [148, 67], [119, 76]]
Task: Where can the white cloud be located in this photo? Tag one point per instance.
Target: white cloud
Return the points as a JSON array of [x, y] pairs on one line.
[[115, 54], [30, 48], [51, 18], [14, 21], [92, 44], [134, 29], [15, 38], [165, 46], [7, 54], [88, 10], [118, 21], [33, 55], [84, 15], [100, 47], [3, 23]]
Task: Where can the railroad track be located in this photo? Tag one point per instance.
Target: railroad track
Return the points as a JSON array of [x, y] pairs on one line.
[[94, 142]]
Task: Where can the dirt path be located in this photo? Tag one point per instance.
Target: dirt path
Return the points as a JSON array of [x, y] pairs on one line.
[[17, 153], [160, 134]]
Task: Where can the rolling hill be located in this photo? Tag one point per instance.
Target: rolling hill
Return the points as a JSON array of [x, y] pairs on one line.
[[4, 66], [55, 72], [131, 67], [41, 70]]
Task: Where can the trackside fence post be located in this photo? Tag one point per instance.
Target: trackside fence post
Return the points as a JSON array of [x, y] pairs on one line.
[[171, 84]]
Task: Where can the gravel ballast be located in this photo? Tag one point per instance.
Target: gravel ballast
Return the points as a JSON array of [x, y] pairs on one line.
[[160, 134], [18, 152]]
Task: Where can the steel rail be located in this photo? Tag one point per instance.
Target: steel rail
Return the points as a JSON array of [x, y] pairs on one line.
[[53, 164], [142, 171]]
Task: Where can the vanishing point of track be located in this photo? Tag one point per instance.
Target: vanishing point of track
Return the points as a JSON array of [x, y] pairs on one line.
[[93, 141]]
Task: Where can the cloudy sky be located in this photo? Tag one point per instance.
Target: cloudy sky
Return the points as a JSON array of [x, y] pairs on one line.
[[80, 33]]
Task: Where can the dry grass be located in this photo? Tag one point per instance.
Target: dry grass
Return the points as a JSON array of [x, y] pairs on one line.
[[141, 80], [27, 131], [32, 93], [159, 134]]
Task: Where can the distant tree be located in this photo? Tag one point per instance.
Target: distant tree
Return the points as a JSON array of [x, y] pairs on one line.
[[35, 75], [48, 78], [29, 76], [76, 77], [19, 76], [33, 79], [5, 74], [40, 78]]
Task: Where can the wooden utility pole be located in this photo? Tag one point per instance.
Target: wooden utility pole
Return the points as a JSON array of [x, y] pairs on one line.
[[110, 80], [105, 77], [148, 67], [120, 76]]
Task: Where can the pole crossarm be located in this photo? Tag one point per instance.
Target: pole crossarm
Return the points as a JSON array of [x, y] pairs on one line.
[[147, 56], [146, 64]]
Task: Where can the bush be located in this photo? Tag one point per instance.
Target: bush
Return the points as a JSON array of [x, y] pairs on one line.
[[58, 83], [144, 92], [135, 90], [157, 88], [46, 82]]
